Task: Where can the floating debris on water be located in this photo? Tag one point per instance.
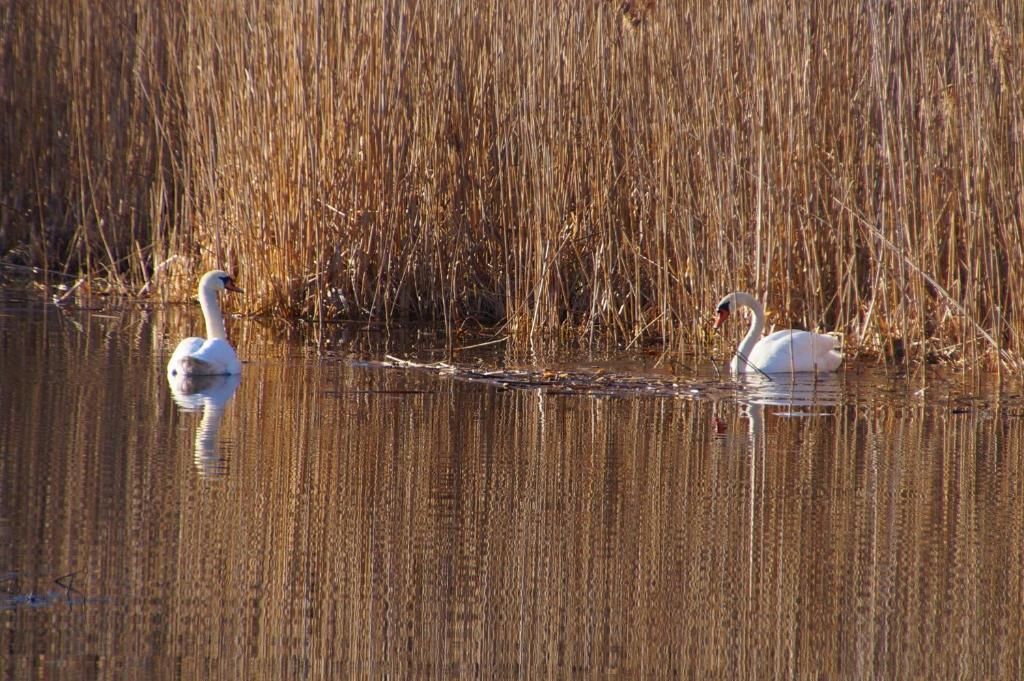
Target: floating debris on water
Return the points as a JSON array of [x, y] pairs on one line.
[[583, 381], [11, 598]]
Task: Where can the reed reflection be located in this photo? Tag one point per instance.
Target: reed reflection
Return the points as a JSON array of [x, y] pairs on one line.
[[404, 524], [209, 395]]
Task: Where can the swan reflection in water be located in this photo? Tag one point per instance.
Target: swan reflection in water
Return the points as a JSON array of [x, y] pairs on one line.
[[794, 395], [787, 395], [208, 394], [802, 394]]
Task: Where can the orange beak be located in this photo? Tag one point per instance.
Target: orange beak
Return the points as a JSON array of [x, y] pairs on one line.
[[722, 316], [230, 286]]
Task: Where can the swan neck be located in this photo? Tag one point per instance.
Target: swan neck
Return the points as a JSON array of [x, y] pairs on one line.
[[756, 326], [211, 311]]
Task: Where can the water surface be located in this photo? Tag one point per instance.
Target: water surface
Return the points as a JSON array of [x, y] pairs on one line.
[[329, 517]]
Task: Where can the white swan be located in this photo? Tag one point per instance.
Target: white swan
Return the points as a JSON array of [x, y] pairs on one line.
[[783, 352], [211, 356]]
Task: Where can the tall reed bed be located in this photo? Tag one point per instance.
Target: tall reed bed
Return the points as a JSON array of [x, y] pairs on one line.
[[604, 168]]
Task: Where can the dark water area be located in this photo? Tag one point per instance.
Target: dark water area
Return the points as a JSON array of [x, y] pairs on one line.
[[327, 516]]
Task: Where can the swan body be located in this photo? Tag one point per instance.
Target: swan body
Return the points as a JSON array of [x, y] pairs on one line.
[[783, 352], [213, 355]]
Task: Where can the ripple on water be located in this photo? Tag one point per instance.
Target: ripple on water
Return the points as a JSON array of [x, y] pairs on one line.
[[597, 519]]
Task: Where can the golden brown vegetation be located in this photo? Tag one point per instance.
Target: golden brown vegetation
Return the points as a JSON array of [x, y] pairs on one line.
[[596, 167]]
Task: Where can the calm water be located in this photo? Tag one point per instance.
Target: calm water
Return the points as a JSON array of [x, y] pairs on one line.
[[326, 517]]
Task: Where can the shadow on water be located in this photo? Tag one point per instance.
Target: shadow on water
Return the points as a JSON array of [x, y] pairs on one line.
[[378, 521]]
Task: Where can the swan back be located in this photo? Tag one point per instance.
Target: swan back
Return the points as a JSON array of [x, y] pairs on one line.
[[792, 351]]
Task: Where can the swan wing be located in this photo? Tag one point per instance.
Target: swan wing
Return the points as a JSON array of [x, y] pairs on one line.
[[218, 354], [793, 351], [184, 349], [198, 357]]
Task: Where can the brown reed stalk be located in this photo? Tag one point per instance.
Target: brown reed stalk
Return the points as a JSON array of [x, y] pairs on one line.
[[601, 170]]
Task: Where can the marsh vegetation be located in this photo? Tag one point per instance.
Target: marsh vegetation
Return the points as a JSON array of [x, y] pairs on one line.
[[605, 169]]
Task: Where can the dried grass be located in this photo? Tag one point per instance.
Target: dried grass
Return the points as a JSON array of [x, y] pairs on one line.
[[608, 168]]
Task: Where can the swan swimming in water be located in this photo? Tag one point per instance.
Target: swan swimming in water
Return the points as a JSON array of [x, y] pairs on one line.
[[213, 355], [783, 352]]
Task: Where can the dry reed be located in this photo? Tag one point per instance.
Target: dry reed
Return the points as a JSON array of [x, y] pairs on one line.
[[612, 167]]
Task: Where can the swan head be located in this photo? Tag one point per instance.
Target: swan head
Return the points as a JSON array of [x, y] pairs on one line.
[[218, 280], [735, 300], [724, 309]]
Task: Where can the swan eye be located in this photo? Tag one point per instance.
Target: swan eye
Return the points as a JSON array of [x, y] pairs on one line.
[[229, 284], [724, 307]]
